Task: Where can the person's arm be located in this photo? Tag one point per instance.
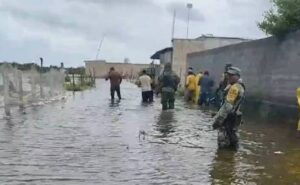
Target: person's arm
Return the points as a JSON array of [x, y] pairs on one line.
[[107, 76], [227, 107], [138, 82], [120, 78], [159, 85]]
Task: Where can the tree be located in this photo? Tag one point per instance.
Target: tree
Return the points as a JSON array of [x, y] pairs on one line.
[[284, 19]]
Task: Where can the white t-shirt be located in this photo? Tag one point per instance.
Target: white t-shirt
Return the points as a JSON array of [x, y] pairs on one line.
[[145, 81]]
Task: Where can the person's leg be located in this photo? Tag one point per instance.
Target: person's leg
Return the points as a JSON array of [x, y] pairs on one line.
[[164, 100], [193, 97], [144, 96], [202, 98], [233, 138], [112, 93], [151, 96], [207, 101], [171, 100], [223, 140], [118, 89]]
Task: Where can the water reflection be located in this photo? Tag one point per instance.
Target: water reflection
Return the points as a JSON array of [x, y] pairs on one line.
[[114, 103], [223, 170], [165, 123]]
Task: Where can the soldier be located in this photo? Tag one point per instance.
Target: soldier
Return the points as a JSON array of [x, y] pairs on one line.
[[228, 117], [168, 82]]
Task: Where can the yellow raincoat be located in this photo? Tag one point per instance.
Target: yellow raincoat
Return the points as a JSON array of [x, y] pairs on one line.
[[190, 82], [198, 88]]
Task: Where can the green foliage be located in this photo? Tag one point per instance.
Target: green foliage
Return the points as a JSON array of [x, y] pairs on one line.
[[81, 83], [77, 70], [284, 19], [67, 78]]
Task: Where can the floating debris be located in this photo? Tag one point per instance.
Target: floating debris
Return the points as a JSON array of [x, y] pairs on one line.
[[278, 153]]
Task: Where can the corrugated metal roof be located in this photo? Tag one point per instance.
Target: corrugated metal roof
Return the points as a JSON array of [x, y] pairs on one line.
[[158, 53]]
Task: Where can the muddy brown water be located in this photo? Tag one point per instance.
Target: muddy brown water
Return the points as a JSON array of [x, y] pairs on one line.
[[88, 140]]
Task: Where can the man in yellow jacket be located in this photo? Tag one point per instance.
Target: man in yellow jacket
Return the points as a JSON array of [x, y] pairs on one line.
[[190, 86]]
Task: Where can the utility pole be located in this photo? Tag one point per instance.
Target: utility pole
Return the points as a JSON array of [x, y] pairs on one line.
[[41, 78], [189, 7], [173, 25]]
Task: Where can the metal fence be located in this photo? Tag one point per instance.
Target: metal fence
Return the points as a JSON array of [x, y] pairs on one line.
[[28, 87]]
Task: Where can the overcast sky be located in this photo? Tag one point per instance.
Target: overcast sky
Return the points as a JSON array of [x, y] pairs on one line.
[[70, 31]]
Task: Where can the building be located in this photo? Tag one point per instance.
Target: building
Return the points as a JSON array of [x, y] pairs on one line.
[[177, 54], [164, 55], [182, 47], [100, 68]]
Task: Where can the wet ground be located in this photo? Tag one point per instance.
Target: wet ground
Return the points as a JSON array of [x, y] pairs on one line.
[[88, 140]]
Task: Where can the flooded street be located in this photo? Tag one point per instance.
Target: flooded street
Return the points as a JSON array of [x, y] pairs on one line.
[[86, 139]]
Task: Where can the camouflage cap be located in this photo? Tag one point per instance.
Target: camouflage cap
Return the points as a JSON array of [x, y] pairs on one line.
[[234, 71]]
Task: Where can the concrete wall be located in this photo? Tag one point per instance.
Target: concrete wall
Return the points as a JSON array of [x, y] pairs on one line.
[[101, 68], [270, 67], [182, 47]]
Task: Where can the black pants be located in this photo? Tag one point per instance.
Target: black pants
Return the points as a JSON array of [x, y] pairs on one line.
[[147, 96], [113, 90]]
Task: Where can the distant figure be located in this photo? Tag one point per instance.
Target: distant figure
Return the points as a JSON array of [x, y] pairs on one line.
[[190, 86], [198, 87], [145, 83], [206, 84], [115, 81], [168, 83]]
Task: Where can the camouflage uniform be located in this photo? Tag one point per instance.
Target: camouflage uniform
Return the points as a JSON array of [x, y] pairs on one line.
[[229, 116], [168, 83]]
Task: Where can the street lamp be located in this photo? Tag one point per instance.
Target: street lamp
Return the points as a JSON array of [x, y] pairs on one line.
[[189, 7]]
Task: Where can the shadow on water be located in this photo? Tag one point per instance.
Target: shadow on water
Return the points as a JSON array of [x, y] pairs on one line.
[[165, 123], [114, 103], [223, 168]]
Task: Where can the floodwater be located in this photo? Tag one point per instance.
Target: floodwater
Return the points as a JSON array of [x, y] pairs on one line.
[[88, 140]]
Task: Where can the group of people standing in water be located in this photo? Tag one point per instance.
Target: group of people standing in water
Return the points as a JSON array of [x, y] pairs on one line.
[[199, 88]]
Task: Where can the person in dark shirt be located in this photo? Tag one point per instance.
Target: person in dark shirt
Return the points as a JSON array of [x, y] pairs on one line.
[[206, 84], [115, 81]]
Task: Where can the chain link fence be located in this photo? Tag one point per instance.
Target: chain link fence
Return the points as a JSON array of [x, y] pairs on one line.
[[28, 87]]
